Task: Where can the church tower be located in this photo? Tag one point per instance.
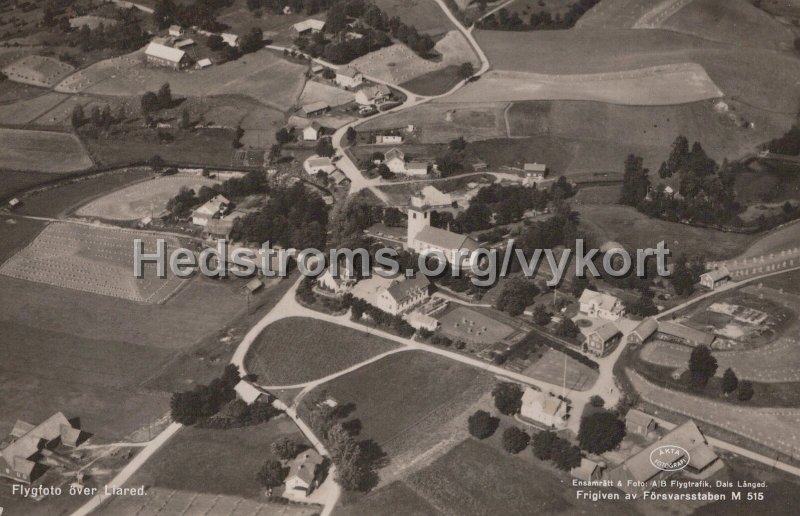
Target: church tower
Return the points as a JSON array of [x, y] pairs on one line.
[[418, 218]]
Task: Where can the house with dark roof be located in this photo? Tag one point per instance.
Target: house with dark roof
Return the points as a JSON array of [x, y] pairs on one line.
[[602, 339], [643, 331], [403, 294], [680, 334], [637, 422], [691, 450], [27, 444]]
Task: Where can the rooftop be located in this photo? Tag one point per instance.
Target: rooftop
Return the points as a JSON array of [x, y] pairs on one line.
[[164, 52]]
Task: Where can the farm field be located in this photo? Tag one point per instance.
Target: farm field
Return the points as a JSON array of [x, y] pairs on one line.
[[205, 147], [92, 259], [159, 500], [650, 128], [55, 201], [42, 151], [16, 234], [262, 75], [26, 111], [216, 461], [783, 238], [298, 350], [614, 14], [91, 356], [425, 15], [737, 22], [660, 85], [466, 480], [434, 83], [141, 199], [38, 71], [635, 230], [318, 92], [441, 122], [398, 64], [737, 71], [430, 389]]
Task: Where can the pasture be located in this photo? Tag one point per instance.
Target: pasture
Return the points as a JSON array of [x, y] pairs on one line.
[[42, 151], [27, 110], [739, 72], [215, 461], [141, 199], [298, 350], [38, 71], [406, 401], [92, 259], [782, 238], [92, 356], [652, 86], [646, 130], [635, 230], [263, 75], [425, 15], [737, 22], [465, 481]]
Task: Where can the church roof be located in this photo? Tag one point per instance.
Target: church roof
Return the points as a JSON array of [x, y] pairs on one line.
[[444, 239]]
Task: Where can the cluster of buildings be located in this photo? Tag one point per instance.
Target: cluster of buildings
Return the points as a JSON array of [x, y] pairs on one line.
[[28, 451], [600, 305], [173, 51], [670, 332], [395, 160]]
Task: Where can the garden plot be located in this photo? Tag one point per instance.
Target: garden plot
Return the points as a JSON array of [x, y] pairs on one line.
[[38, 71], [92, 259], [653, 86], [142, 199]]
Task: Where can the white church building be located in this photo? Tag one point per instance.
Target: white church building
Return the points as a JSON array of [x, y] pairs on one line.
[[424, 238]]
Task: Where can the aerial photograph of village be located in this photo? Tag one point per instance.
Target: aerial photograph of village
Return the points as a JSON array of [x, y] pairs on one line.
[[508, 257]]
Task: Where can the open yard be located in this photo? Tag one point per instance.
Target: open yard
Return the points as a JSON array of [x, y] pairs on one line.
[[635, 230], [400, 65], [92, 259], [404, 401], [42, 151], [263, 75], [298, 350], [141, 199], [552, 367], [474, 328], [660, 85], [213, 461], [318, 92]]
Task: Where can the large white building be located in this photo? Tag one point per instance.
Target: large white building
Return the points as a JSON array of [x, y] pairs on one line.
[[421, 237], [404, 294], [600, 305], [544, 408], [349, 77], [217, 205]]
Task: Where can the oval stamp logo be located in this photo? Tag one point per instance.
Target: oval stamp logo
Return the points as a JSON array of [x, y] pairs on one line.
[[669, 458]]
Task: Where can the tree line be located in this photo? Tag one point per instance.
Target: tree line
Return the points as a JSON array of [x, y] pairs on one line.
[[540, 20]]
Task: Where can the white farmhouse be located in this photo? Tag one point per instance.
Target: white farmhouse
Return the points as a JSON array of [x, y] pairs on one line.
[[600, 305], [403, 294], [543, 408], [349, 77], [217, 205]]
